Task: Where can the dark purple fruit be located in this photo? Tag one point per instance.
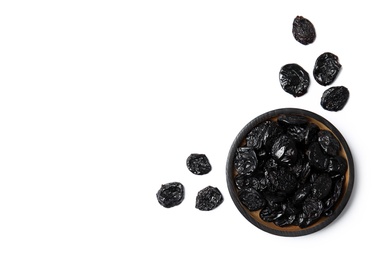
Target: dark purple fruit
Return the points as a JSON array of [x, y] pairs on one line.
[[303, 30], [198, 164], [208, 198], [335, 98], [294, 79], [170, 194], [326, 68]]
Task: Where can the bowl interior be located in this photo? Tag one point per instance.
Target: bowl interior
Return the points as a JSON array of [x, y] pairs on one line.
[[253, 216]]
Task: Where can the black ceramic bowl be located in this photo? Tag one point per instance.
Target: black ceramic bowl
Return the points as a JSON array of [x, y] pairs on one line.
[[254, 216]]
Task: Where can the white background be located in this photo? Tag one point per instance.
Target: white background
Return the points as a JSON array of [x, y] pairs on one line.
[[101, 102]]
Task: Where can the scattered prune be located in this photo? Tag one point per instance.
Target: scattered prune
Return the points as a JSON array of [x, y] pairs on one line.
[[294, 79], [326, 68], [170, 194], [335, 98], [303, 30], [198, 164], [290, 170], [208, 198]]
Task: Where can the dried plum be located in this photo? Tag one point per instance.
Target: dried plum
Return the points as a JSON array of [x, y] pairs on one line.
[[208, 198], [321, 186], [337, 166], [245, 160], [198, 164], [326, 68], [303, 30], [282, 180], [290, 170], [294, 79], [328, 142], [251, 199], [284, 150], [292, 120], [170, 194], [335, 98], [316, 156]]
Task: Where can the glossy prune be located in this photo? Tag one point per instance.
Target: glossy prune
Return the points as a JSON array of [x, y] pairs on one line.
[[245, 160], [284, 150], [321, 186], [294, 79], [328, 142], [208, 198], [303, 30], [326, 68], [335, 98], [198, 164], [170, 194]]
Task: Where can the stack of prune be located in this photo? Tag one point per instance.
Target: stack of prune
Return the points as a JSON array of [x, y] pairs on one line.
[[295, 80], [290, 170]]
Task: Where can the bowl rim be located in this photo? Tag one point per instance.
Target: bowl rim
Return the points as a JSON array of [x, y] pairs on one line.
[[230, 169]]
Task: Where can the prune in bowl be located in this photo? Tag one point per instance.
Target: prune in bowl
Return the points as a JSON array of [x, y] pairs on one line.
[[290, 172]]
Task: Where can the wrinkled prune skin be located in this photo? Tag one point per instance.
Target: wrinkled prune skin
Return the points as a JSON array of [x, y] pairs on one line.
[[303, 30], [322, 186], [198, 164], [326, 68], [282, 180], [337, 166], [335, 98], [284, 150], [170, 194], [328, 142], [251, 199], [292, 120], [294, 79], [290, 170], [208, 199], [317, 158], [245, 161]]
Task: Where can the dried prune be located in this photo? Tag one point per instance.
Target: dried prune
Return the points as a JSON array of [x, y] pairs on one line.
[[321, 186], [303, 30], [335, 98], [326, 68], [198, 164], [292, 120], [251, 199], [316, 157], [282, 180], [337, 166], [208, 198], [284, 150], [245, 160], [294, 79], [328, 142], [170, 194]]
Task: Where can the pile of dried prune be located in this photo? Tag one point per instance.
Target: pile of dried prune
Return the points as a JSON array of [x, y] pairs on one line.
[[290, 170]]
